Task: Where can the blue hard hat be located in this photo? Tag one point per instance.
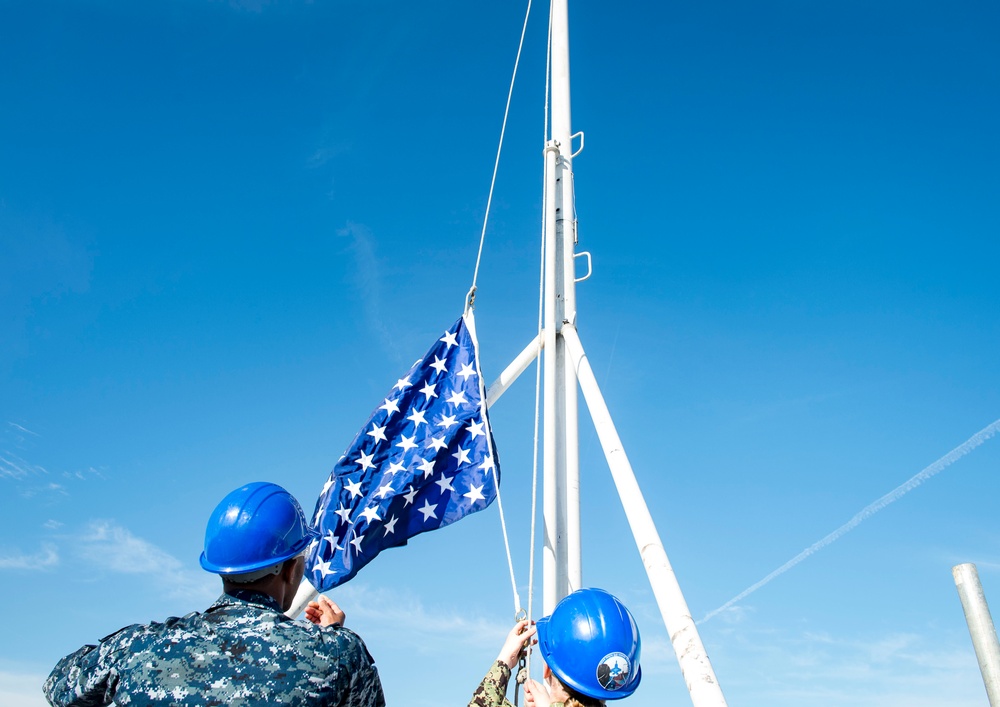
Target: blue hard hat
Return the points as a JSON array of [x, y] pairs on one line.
[[592, 644], [254, 527]]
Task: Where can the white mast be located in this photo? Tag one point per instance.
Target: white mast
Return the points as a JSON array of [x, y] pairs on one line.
[[564, 359], [561, 568]]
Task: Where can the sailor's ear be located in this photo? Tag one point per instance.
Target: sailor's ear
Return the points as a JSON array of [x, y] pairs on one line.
[[288, 569]]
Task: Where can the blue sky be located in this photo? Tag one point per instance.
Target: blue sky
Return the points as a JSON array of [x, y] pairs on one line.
[[226, 228]]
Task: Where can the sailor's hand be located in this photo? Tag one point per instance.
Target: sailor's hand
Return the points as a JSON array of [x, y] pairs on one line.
[[517, 640], [324, 612], [535, 694]]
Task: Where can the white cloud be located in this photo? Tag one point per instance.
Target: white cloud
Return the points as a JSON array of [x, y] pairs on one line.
[[25, 430], [113, 548], [43, 559], [368, 280], [84, 474], [31, 476], [781, 669], [22, 689], [50, 489], [424, 630], [14, 467]]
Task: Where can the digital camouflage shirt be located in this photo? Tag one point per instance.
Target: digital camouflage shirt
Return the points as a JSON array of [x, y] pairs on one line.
[[242, 651], [492, 690]]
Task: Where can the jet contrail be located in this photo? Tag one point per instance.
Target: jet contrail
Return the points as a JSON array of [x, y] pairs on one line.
[[869, 510]]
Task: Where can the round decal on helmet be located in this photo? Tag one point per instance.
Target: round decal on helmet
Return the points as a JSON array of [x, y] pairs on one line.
[[613, 671]]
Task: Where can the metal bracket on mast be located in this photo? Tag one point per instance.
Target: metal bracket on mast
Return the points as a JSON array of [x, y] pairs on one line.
[[590, 265]]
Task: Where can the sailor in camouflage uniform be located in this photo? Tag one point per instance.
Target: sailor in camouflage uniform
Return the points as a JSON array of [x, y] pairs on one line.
[[243, 650], [492, 690], [590, 644]]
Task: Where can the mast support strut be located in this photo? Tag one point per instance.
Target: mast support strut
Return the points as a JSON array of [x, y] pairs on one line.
[[695, 665]]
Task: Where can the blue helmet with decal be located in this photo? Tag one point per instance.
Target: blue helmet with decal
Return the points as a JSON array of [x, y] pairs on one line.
[[592, 644], [253, 528]]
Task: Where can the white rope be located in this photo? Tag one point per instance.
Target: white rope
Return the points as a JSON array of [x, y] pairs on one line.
[[471, 297], [538, 359], [534, 446], [506, 545], [548, 77], [470, 321]]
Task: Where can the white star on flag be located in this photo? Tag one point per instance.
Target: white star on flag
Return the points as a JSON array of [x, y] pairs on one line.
[[332, 539], [324, 568], [426, 466], [428, 510], [428, 390], [353, 487], [445, 483], [439, 365], [475, 493], [365, 460]]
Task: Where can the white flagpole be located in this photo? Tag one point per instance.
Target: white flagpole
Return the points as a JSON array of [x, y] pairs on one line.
[[303, 595], [553, 563], [561, 566], [565, 360]]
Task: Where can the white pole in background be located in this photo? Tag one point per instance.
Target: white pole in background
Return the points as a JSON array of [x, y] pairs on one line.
[[984, 634]]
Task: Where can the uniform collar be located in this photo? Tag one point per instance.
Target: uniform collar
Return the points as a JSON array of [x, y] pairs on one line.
[[237, 597]]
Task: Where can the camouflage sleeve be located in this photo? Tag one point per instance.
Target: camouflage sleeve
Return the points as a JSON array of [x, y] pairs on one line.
[[364, 687], [79, 680], [492, 690]]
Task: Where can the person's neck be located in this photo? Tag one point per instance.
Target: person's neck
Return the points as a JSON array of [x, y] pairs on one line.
[[262, 587], [556, 691]]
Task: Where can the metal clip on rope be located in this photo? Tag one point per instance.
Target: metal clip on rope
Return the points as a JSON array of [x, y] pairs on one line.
[[470, 300], [522, 671], [522, 676]]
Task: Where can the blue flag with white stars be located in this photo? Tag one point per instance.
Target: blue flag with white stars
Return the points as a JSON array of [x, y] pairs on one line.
[[424, 459]]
